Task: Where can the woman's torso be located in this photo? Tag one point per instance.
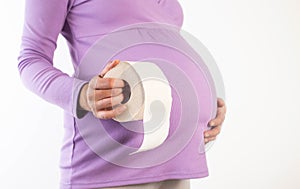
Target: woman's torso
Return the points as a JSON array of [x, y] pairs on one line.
[[87, 22]]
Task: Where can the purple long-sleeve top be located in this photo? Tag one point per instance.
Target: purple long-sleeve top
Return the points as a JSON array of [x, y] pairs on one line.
[[82, 23]]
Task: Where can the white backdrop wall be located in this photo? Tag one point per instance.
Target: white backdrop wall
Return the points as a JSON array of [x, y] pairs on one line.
[[256, 44]]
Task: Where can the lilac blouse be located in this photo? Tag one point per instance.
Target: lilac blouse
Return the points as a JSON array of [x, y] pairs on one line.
[[82, 23]]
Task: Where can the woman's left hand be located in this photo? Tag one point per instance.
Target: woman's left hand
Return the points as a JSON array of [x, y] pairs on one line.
[[216, 123]]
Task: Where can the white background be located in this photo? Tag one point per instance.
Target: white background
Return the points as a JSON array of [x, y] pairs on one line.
[[256, 44]]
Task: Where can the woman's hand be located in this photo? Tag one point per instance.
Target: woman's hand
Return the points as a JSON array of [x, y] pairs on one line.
[[103, 96], [216, 123]]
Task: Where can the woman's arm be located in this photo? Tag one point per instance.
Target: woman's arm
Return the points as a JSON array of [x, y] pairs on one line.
[[44, 20]]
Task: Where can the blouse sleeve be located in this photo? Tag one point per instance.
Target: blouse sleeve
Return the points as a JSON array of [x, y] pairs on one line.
[[44, 20]]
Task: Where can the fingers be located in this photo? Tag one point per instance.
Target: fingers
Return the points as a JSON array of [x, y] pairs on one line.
[[206, 140], [219, 118], [108, 114], [221, 111], [212, 132], [106, 83], [105, 93], [216, 123], [107, 108], [109, 102], [99, 100]]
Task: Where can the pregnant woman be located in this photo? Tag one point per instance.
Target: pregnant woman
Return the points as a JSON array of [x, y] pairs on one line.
[[82, 23]]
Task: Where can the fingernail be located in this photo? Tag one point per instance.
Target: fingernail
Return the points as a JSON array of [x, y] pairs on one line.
[[206, 135], [206, 140], [115, 61], [212, 123]]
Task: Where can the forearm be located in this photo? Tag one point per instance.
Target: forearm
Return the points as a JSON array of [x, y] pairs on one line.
[[35, 62]]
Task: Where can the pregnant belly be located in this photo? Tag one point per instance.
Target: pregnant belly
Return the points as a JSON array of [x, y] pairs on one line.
[[193, 94]]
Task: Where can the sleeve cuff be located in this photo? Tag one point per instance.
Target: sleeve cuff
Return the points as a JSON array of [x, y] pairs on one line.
[[76, 110]]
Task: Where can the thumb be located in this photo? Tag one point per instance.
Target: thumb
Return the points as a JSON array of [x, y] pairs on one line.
[[108, 67]]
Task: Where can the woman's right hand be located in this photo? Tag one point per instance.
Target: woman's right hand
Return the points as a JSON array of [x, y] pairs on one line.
[[103, 96]]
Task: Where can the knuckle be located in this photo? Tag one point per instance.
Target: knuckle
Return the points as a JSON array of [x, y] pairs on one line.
[[105, 93], [111, 82], [101, 94], [99, 104], [99, 82], [104, 103], [108, 102]]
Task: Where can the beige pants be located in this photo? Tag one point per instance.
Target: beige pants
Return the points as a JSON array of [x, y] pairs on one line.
[[167, 184]]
